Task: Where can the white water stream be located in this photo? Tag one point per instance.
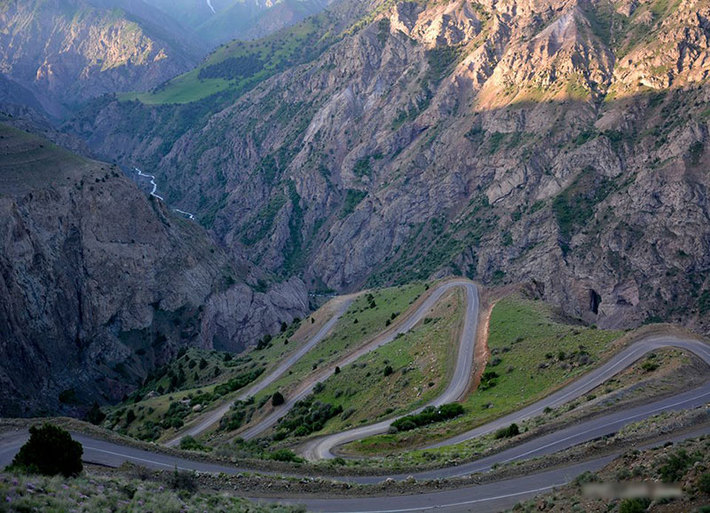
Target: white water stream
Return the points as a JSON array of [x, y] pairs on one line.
[[209, 4], [154, 194]]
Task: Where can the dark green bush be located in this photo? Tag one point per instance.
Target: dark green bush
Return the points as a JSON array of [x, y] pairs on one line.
[[95, 415], [634, 505], [237, 382], [188, 443], [649, 366], [676, 464], [49, 451], [428, 415], [285, 455], [704, 483], [508, 432], [308, 416], [183, 480], [488, 380], [277, 399]]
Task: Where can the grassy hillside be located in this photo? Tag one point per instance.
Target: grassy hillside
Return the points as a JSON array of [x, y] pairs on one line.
[[238, 66], [364, 319], [30, 161], [369, 315], [198, 379], [400, 376], [532, 354], [94, 491]]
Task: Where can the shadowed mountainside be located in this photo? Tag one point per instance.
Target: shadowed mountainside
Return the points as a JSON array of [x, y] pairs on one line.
[[100, 284]]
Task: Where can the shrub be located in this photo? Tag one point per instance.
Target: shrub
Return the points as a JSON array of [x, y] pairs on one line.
[[675, 466], [285, 455], [95, 415], [182, 480], [238, 382], [704, 483], [308, 416], [277, 399], [509, 432], [264, 342], [488, 380], [427, 416], [188, 443], [68, 396], [388, 370], [649, 366], [634, 505], [49, 451]]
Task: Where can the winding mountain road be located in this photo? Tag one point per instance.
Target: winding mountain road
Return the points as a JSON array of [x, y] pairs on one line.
[[457, 387], [212, 417], [321, 448], [489, 497]]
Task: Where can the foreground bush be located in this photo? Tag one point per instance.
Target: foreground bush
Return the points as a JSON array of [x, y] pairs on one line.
[[49, 451]]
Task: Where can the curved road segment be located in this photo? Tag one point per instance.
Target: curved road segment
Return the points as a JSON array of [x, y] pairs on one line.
[[457, 387], [322, 448], [214, 416]]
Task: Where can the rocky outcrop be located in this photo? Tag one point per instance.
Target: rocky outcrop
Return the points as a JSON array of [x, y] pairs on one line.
[[556, 141], [99, 284]]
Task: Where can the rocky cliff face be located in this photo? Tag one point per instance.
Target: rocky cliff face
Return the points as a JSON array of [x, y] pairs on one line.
[[68, 51], [98, 284], [561, 142]]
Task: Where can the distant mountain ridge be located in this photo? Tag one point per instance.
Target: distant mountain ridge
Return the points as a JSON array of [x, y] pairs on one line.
[[237, 19], [67, 51]]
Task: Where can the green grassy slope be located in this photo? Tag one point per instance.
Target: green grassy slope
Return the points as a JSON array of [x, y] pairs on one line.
[[421, 361], [532, 354]]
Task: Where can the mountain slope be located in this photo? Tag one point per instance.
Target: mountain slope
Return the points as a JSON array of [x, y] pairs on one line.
[[561, 142], [68, 51], [100, 284], [219, 21]]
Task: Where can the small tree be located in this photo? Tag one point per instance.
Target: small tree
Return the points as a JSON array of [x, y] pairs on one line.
[[277, 399], [95, 415], [49, 451]]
